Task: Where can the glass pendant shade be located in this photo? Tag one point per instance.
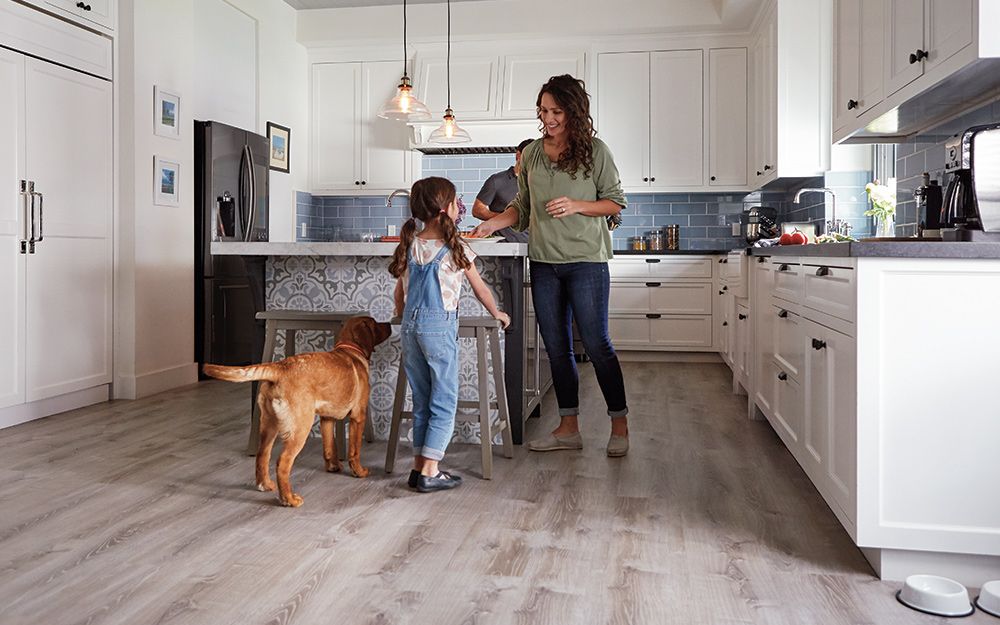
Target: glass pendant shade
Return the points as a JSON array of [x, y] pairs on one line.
[[404, 106], [450, 131]]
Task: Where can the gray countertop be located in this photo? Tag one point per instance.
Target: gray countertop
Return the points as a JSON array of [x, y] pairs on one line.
[[276, 248], [886, 249], [671, 253]]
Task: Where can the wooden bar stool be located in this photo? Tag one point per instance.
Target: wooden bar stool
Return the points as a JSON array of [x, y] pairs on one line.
[[486, 332], [291, 322]]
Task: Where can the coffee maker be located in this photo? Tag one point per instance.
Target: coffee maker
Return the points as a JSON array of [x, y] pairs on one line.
[[970, 210], [759, 222]]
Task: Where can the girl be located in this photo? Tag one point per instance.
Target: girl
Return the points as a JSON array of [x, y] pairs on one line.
[[429, 266]]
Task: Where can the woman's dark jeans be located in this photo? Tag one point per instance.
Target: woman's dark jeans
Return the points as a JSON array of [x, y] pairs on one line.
[[562, 293]]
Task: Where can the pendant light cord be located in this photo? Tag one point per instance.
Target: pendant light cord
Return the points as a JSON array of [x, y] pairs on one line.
[[449, 53], [404, 39]]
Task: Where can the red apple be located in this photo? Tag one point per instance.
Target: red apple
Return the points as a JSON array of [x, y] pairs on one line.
[[786, 239], [799, 238]]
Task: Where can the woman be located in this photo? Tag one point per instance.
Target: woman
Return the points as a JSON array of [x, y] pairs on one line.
[[567, 189]]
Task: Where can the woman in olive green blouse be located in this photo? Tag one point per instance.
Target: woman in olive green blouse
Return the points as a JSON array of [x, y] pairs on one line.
[[567, 189]]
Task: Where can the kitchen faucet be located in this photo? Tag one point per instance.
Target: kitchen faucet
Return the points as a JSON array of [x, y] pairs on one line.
[[833, 225], [403, 192]]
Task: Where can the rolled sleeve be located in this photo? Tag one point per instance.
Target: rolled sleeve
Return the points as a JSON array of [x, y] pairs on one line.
[[522, 202], [606, 177], [487, 193]]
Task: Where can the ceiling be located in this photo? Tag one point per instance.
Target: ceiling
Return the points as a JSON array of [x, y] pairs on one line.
[[342, 4]]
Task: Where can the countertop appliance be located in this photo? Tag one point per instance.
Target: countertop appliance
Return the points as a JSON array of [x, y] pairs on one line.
[[970, 210], [231, 204], [759, 222]]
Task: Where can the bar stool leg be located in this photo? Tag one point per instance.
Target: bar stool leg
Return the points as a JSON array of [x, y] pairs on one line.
[[270, 334], [397, 417], [485, 432], [503, 412]]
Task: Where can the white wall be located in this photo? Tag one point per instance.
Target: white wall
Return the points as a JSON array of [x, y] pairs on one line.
[[154, 304]]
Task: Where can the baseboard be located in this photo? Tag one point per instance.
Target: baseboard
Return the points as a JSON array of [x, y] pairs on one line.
[[896, 565], [146, 384], [651, 356], [53, 405]]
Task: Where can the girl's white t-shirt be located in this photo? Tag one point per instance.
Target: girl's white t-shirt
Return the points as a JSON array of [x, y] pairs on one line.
[[449, 275]]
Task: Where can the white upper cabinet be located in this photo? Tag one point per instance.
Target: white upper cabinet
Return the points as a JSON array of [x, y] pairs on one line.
[[474, 84], [99, 14], [858, 65], [676, 119], [352, 150], [904, 41], [727, 117], [948, 29], [524, 75], [623, 113]]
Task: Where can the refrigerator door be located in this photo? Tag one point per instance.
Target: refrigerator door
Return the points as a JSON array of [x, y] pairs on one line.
[[257, 204]]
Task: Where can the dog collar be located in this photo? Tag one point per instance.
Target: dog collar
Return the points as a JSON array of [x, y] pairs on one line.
[[352, 346]]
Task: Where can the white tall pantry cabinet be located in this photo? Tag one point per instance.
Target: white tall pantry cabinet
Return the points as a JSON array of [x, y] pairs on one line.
[[55, 243]]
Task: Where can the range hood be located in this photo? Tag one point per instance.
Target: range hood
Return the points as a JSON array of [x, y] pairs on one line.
[[489, 136]]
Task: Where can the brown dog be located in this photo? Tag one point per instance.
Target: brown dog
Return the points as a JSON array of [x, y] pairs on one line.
[[332, 384]]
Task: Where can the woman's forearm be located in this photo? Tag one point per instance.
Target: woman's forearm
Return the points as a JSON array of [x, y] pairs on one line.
[[505, 219], [599, 208]]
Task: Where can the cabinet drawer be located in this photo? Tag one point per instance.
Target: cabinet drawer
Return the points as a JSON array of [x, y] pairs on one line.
[[684, 331], [830, 290], [789, 350], [681, 298], [629, 298], [788, 281], [660, 267]]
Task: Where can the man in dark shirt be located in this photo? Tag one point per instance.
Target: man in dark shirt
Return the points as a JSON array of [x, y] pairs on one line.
[[496, 194]]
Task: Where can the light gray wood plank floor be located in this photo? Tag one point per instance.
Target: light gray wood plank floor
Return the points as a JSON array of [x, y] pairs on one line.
[[145, 512]]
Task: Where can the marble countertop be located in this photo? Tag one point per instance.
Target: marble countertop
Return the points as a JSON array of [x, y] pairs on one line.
[[275, 248], [886, 249], [671, 253]]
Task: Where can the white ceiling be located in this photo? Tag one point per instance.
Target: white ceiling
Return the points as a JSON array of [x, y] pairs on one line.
[[341, 4]]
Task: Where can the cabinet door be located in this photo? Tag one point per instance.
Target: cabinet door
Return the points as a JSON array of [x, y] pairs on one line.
[[788, 408], [763, 347], [829, 424], [336, 126], [12, 228], [385, 153], [948, 29], [727, 123], [68, 280], [623, 113], [769, 101], [474, 82], [904, 35], [743, 333], [523, 76], [847, 33], [871, 55], [676, 110], [100, 12]]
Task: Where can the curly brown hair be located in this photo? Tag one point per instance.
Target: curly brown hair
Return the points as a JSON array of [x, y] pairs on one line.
[[429, 201], [571, 96]]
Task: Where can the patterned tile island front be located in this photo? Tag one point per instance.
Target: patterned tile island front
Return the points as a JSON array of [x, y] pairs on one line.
[[348, 277]]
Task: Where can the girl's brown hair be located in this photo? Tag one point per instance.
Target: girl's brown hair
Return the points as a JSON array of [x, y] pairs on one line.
[[571, 96], [429, 200]]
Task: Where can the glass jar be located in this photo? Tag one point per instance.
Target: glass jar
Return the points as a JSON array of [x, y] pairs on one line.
[[656, 241], [639, 244], [673, 237]]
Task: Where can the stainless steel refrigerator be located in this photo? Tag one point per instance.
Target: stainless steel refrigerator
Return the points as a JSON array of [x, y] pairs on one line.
[[231, 169]]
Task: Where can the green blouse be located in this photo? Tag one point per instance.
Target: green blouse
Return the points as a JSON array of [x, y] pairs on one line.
[[577, 238]]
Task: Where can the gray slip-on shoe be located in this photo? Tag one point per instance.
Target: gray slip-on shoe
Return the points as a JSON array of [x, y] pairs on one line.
[[617, 446], [551, 442]]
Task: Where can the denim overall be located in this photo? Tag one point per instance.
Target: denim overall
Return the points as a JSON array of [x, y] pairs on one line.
[[430, 358]]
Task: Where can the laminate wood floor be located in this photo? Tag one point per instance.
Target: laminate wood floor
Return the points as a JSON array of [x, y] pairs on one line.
[[144, 512]]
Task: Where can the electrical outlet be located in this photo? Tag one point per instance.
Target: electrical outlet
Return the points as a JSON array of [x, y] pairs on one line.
[[736, 229], [390, 230], [302, 229]]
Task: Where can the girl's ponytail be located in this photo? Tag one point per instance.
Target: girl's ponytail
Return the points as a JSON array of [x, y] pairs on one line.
[[399, 260], [453, 240]]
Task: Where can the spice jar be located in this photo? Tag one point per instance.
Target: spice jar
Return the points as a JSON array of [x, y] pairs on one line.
[[673, 237], [638, 244], [656, 241]]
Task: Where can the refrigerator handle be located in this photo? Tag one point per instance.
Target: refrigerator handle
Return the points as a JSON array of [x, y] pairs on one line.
[[252, 212], [25, 215], [240, 226], [41, 215]]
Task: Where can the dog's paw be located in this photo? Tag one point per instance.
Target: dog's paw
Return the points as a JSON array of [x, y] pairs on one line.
[[359, 471], [333, 467], [293, 501], [265, 487]]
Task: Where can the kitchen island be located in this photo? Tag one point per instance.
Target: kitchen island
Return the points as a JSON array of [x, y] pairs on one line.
[[355, 277]]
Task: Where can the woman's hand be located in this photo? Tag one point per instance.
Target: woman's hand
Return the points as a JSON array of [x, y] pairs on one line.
[[562, 207], [503, 318], [485, 229]]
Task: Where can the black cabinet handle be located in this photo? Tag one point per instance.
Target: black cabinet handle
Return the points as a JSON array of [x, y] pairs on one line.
[[720, 260], [783, 267], [652, 260], [767, 167], [852, 104], [782, 314], [653, 284], [725, 323], [712, 178], [364, 182], [742, 317], [919, 55], [818, 344], [357, 182], [722, 292], [725, 288], [759, 172], [645, 179], [762, 259], [782, 376], [725, 261], [823, 271], [85, 7], [652, 316], [652, 179]]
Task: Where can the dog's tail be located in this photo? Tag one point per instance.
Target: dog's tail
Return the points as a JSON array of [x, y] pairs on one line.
[[266, 371]]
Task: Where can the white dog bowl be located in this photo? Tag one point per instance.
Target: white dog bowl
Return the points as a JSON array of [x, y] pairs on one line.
[[935, 595], [989, 598]]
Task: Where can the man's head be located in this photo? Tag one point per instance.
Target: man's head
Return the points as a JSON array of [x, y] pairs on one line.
[[517, 152]]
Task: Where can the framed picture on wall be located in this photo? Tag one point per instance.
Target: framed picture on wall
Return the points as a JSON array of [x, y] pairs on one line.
[[166, 113], [166, 182], [278, 138]]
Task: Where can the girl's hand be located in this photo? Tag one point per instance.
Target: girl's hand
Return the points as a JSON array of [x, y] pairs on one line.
[[562, 207], [503, 318], [483, 230]]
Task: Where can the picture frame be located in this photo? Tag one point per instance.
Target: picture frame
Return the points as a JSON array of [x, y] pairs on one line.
[[166, 182], [279, 143], [166, 113]]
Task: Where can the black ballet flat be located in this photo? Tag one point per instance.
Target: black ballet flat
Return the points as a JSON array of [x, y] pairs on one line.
[[441, 481], [415, 475]]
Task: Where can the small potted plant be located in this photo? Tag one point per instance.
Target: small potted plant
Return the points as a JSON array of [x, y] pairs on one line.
[[883, 201]]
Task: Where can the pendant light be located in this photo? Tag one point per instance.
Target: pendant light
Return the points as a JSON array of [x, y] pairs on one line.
[[404, 106], [449, 131]]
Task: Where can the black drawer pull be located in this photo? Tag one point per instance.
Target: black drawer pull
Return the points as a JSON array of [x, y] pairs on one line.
[[86, 7], [722, 292], [720, 261], [823, 271], [652, 260], [652, 316], [783, 314], [725, 261], [653, 284], [818, 344], [920, 55], [762, 259], [758, 172], [852, 104], [783, 267], [645, 179], [782, 376], [725, 323], [767, 167], [742, 317], [725, 288]]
